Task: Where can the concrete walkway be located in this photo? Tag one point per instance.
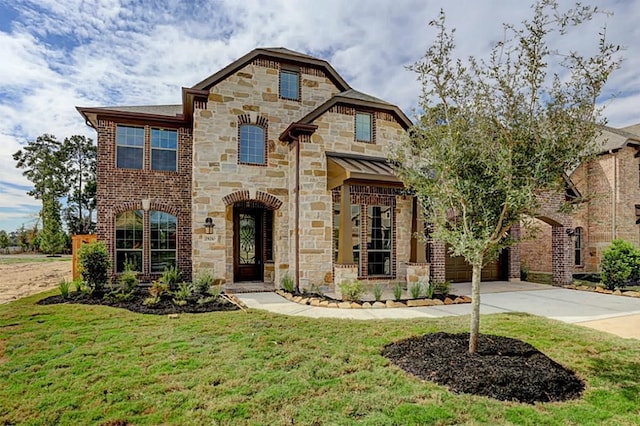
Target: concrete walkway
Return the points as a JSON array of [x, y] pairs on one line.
[[613, 314]]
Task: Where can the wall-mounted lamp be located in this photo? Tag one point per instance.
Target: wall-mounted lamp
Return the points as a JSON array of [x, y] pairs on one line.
[[570, 232], [209, 225], [146, 204]]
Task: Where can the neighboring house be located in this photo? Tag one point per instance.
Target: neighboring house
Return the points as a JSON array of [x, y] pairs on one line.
[[274, 165], [610, 184]]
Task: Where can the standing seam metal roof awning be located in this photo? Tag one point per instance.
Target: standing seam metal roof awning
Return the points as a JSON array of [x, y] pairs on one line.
[[374, 171]]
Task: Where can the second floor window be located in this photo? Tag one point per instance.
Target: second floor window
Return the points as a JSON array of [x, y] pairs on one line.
[[129, 147], [164, 146], [290, 85], [252, 144], [364, 131]]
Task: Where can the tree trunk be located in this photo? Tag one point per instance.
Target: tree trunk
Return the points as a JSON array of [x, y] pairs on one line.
[[476, 274]]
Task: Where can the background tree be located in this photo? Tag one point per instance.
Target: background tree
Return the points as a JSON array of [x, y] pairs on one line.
[[496, 132], [52, 238], [43, 162], [4, 240], [80, 159]]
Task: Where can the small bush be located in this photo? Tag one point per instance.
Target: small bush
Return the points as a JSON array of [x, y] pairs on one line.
[[377, 290], [95, 266], [416, 290], [443, 287], [77, 284], [64, 287], [397, 292], [620, 265], [524, 271], [183, 292], [287, 283], [351, 290], [150, 301], [171, 276], [203, 282], [206, 300], [158, 289], [128, 281], [429, 288]]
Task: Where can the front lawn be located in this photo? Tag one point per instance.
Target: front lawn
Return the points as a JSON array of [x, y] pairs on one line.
[[79, 364]]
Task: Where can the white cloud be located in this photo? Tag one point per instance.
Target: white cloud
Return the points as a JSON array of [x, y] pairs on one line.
[[60, 54]]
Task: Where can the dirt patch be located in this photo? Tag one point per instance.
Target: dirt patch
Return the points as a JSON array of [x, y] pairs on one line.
[[23, 279], [502, 368]]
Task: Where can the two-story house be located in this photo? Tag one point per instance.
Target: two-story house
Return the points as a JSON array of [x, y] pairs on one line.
[[274, 165], [610, 185]]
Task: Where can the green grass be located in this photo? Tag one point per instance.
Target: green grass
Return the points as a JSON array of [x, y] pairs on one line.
[[77, 364], [21, 258]]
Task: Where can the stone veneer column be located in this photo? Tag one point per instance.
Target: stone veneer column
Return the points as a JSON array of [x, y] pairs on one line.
[[438, 255], [514, 254], [561, 259]]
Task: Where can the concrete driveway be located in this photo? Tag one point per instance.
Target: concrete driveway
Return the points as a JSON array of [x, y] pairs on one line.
[[618, 315]]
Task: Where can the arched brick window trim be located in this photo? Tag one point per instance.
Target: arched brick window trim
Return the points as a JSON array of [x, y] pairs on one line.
[[154, 205], [262, 122], [270, 201]]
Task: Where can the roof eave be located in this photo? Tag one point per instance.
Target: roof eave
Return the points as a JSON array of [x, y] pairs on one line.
[[214, 79], [400, 115]]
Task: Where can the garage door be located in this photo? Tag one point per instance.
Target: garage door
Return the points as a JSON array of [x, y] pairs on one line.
[[458, 270]]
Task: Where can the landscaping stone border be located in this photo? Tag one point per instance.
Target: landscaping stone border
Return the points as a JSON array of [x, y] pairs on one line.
[[343, 304], [602, 290]]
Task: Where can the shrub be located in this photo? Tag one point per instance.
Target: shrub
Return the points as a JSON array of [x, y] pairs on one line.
[[377, 289], [150, 301], [94, 266], [620, 265], [203, 282], [128, 281], [205, 300], [78, 284], [182, 293], [287, 283], [64, 286], [171, 276], [429, 288], [158, 289], [351, 290], [416, 290], [524, 271], [397, 292], [442, 287]]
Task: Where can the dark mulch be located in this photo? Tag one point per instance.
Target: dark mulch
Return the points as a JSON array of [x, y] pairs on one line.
[[502, 368], [134, 304]]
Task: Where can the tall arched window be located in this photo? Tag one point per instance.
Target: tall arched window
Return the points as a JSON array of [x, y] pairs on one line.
[[129, 231], [163, 240], [578, 246], [252, 145]]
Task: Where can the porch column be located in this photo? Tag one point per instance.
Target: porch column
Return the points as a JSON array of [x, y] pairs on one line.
[[561, 246], [345, 244], [514, 254], [438, 256], [418, 249]]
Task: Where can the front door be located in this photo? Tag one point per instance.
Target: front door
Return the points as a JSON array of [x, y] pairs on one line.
[[247, 244]]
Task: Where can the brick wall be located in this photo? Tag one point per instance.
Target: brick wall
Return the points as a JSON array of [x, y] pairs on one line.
[[121, 190]]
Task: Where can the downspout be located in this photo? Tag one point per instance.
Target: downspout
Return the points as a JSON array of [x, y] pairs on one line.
[[297, 220], [614, 195]]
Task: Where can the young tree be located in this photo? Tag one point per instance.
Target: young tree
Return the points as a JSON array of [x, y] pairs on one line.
[[80, 156], [497, 132]]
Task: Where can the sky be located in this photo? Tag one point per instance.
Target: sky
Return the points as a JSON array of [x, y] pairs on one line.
[[59, 54]]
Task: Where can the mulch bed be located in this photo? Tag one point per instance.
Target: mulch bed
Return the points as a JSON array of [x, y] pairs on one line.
[[502, 368], [134, 304]]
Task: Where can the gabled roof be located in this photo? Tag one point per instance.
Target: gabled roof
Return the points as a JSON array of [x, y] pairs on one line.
[[276, 53], [612, 139], [358, 99]]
